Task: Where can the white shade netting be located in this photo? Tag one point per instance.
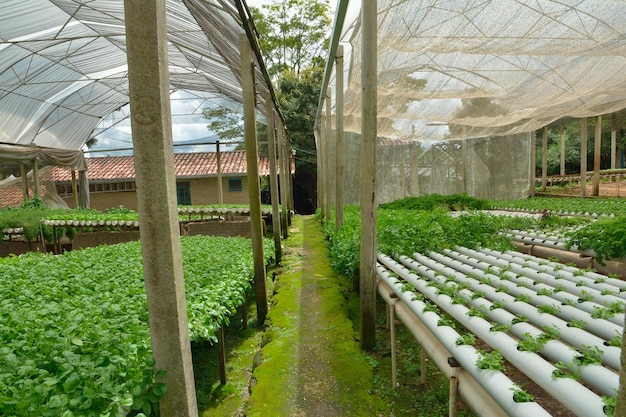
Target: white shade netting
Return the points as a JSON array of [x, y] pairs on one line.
[[488, 71]]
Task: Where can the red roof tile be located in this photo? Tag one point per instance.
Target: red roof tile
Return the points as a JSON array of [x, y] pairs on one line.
[[112, 168]]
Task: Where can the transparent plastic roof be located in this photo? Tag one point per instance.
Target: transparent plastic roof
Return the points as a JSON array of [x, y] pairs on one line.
[[480, 68], [63, 63]]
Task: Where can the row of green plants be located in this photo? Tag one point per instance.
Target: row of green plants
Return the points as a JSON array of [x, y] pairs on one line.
[[403, 231], [600, 206], [74, 333], [30, 214]]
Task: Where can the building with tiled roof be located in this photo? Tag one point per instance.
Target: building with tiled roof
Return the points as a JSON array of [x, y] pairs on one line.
[[112, 180]]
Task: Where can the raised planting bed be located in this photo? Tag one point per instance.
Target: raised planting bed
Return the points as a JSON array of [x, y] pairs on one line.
[[74, 334], [544, 326]]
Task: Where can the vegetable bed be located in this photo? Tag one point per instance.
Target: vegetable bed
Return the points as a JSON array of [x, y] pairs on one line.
[[74, 334]]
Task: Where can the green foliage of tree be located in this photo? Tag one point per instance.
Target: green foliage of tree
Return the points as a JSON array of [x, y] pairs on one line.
[[294, 34], [226, 123]]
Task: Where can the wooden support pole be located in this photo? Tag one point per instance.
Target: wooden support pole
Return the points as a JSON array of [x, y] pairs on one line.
[[220, 186], [464, 163], [327, 157], [24, 175], [562, 149], [454, 396], [74, 188], [369, 132], [321, 168], [271, 145], [533, 164], [544, 158], [596, 156], [221, 354], [613, 141], [583, 157], [284, 167], [148, 72], [414, 149], [392, 332], [339, 152], [36, 177], [254, 189], [423, 366]]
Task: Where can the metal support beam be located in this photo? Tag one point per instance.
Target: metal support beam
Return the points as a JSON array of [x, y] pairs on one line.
[[148, 72]]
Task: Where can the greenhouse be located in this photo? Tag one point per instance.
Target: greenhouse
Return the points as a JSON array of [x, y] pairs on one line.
[[419, 101]]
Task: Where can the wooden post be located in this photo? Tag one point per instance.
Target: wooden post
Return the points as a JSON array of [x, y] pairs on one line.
[[24, 175], [369, 85], [414, 149], [596, 156], [327, 159], [464, 162], [583, 157], [339, 153], [392, 332], [220, 190], [271, 145], [146, 35], [454, 396], [613, 142], [221, 354], [284, 179], [562, 149], [321, 168], [254, 191], [36, 177], [533, 164], [74, 188], [544, 158]]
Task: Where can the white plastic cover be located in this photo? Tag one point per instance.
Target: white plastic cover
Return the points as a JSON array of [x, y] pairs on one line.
[[63, 63]]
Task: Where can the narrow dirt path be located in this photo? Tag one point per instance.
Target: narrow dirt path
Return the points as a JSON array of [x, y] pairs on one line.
[[311, 365]]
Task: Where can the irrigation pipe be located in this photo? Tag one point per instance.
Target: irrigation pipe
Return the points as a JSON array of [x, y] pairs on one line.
[[572, 335], [572, 294], [579, 399], [478, 387], [602, 379]]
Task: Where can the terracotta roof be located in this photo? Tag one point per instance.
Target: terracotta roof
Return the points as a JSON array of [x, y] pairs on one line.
[[186, 165], [112, 168]]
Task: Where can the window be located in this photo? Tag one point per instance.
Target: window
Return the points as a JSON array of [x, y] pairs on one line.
[[183, 193], [235, 184]]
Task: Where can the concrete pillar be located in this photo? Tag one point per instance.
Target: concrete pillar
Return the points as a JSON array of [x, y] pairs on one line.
[[596, 156], [583, 157], [369, 131], [321, 167], [339, 153], [271, 145], [254, 188], [156, 191]]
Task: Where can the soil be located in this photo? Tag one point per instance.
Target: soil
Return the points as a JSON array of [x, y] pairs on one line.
[[611, 188]]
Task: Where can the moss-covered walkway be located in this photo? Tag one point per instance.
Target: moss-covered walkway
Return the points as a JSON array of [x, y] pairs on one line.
[[311, 364]]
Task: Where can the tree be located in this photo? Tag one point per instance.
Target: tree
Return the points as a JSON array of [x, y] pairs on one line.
[[294, 34], [294, 39]]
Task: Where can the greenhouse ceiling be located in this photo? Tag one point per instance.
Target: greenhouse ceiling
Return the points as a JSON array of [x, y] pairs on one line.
[[63, 64], [479, 68]]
